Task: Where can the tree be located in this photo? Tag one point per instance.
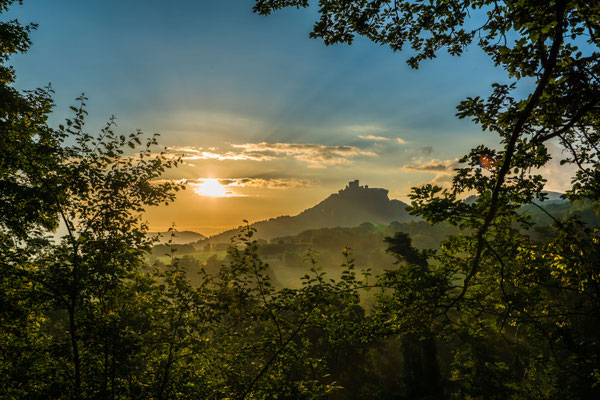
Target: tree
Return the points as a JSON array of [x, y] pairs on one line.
[[83, 316], [74, 287], [494, 283], [29, 149], [56, 295]]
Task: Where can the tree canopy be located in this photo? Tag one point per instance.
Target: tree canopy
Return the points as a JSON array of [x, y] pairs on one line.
[[502, 308], [495, 281]]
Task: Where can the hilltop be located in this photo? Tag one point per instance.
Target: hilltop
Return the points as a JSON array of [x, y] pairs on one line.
[[349, 207], [181, 237]]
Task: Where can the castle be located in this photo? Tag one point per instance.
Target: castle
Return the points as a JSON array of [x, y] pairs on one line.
[[354, 187]]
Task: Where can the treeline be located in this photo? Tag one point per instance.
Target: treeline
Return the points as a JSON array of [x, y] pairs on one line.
[[159, 250], [325, 245], [495, 311], [366, 240]]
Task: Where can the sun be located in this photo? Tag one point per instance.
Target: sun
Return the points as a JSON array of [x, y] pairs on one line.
[[211, 188]]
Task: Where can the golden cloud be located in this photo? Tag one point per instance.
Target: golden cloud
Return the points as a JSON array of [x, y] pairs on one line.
[[314, 154], [264, 183], [374, 138], [434, 166]]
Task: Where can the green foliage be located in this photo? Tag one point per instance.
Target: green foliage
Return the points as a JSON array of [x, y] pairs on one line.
[[289, 341], [520, 304], [162, 249], [499, 310], [29, 149], [73, 287], [95, 322], [84, 317], [286, 254]]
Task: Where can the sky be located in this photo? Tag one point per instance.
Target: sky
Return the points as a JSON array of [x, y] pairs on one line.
[[268, 121]]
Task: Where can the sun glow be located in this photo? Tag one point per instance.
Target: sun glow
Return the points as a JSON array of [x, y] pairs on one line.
[[212, 188]]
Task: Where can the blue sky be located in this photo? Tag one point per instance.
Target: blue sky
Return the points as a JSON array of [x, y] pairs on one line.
[[252, 97]]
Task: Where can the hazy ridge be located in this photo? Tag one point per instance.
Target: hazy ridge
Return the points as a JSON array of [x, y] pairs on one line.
[[350, 207]]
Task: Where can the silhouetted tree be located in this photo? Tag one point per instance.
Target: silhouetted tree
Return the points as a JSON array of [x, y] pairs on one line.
[[494, 283]]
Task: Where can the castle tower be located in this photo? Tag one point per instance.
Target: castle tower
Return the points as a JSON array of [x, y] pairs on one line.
[[353, 184]]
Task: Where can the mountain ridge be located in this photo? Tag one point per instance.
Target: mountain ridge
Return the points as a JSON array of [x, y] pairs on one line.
[[179, 237], [349, 207]]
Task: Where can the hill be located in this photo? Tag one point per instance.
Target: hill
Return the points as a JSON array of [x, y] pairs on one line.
[[349, 207], [181, 237], [287, 255], [551, 198], [562, 209]]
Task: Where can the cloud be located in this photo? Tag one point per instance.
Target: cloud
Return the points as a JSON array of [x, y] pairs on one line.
[[434, 166], [400, 140], [162, 180], [559, 176], [213, 188], [267, 183], [426, 150], [228, 187], [189, 153], [272, 183], [317, 155], [184, 149], [373, 138], [229, 155], [366, 128], [443, 170]]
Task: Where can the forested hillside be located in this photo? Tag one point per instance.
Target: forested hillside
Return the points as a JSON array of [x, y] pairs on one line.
[[348, 208], [182, 237], [497, 297]]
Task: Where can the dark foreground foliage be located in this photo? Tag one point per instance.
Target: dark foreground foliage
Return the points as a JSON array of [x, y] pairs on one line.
[[495, 312]]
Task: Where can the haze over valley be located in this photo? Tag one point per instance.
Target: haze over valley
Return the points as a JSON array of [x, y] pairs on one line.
[[300, 200]]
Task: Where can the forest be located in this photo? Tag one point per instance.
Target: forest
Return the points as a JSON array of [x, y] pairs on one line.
[[477, 300]]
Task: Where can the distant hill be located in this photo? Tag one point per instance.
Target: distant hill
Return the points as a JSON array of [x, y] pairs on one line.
[[349, 207], [181, 237], [557, 207], [551, 198], [562, 209]]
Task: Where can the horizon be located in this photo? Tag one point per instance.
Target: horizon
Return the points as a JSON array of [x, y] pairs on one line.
[[348, 185], [268, 121], [249, 222]]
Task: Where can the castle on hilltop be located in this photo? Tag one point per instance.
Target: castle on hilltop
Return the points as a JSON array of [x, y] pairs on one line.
[[355, 187]]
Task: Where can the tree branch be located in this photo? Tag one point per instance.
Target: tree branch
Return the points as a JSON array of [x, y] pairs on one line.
[[576, 118], [510, 147]]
